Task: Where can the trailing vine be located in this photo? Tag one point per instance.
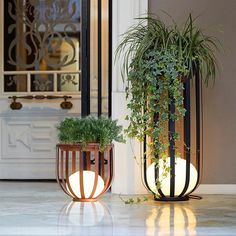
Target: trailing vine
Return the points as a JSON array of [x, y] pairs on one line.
[[159, 73]]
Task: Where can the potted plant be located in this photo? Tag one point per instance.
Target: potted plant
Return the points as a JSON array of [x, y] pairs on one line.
[[84, 156], [159, 61]]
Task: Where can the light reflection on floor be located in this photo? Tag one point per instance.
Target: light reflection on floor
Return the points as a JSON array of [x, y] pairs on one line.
[[43, 209], [77, 217], [171, 219]]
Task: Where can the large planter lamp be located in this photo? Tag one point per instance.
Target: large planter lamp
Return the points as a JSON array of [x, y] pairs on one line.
[[84, 173], [185, 167]]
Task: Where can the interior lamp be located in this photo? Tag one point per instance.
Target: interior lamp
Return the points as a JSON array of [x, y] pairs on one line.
[[180, 176], [88, 183], [84, 173]]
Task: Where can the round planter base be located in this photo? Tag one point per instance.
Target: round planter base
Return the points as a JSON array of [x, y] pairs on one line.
[[85, 200], [172, 199]]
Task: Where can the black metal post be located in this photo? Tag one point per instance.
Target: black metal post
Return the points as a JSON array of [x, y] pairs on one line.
[[85, 62], [110, 61], [187, 133], [172, 149], [99, 57], [156, 170], [198, 108]]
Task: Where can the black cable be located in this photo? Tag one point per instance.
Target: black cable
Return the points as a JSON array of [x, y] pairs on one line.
[[195, 197]]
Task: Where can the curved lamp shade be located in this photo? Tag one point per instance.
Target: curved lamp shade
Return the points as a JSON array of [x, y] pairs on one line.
[[180, 175], [88, 182], [184, 175], [84, 173]]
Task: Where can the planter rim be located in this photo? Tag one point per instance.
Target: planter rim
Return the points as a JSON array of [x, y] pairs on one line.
[[80, 144], [88, 147]]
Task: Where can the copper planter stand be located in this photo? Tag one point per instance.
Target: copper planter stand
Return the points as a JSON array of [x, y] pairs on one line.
[[79, 167]]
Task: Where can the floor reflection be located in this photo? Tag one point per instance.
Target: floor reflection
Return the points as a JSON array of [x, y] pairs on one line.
[[171, 219], [85, 218], [33, 209]]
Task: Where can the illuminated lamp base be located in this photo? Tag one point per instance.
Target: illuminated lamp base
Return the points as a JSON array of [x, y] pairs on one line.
[[180, 178], [88, 184], [172, 199], [85, 199]]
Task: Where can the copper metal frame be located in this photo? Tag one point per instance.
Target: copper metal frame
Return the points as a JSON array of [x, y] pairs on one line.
[[73, 158]]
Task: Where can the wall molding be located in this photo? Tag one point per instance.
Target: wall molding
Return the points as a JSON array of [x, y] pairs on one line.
[[216, 189]]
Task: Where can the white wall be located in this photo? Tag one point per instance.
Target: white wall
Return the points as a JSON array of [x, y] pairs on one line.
[[127, 169]]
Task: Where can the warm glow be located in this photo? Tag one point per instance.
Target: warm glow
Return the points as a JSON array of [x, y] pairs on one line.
[[88, 181], [171, 220], [180, 174]]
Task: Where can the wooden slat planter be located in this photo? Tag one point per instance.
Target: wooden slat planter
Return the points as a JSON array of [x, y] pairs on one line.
[[84, 173]]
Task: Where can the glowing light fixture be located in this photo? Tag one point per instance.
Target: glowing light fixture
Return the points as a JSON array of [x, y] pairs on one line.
[[88, 183], [84, 173], [180, 175]]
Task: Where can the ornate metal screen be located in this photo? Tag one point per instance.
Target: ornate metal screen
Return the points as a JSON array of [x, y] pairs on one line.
[[59, 46], [42, 45]]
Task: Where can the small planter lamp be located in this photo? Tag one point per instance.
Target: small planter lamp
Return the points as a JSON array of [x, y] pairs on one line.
[[185, 170], [84, 173]]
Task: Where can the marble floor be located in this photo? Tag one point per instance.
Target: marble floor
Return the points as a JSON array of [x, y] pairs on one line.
[[43, 209]]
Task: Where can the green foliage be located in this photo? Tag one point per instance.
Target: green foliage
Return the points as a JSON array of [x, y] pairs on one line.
[[90, 130], [156, 60], [193, 46], [134, 200], [197, 49]]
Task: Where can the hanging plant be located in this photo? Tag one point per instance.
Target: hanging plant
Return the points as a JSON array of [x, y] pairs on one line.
[[156, 61]]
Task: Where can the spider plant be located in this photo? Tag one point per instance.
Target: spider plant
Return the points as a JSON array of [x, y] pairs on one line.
[[195, 47]]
